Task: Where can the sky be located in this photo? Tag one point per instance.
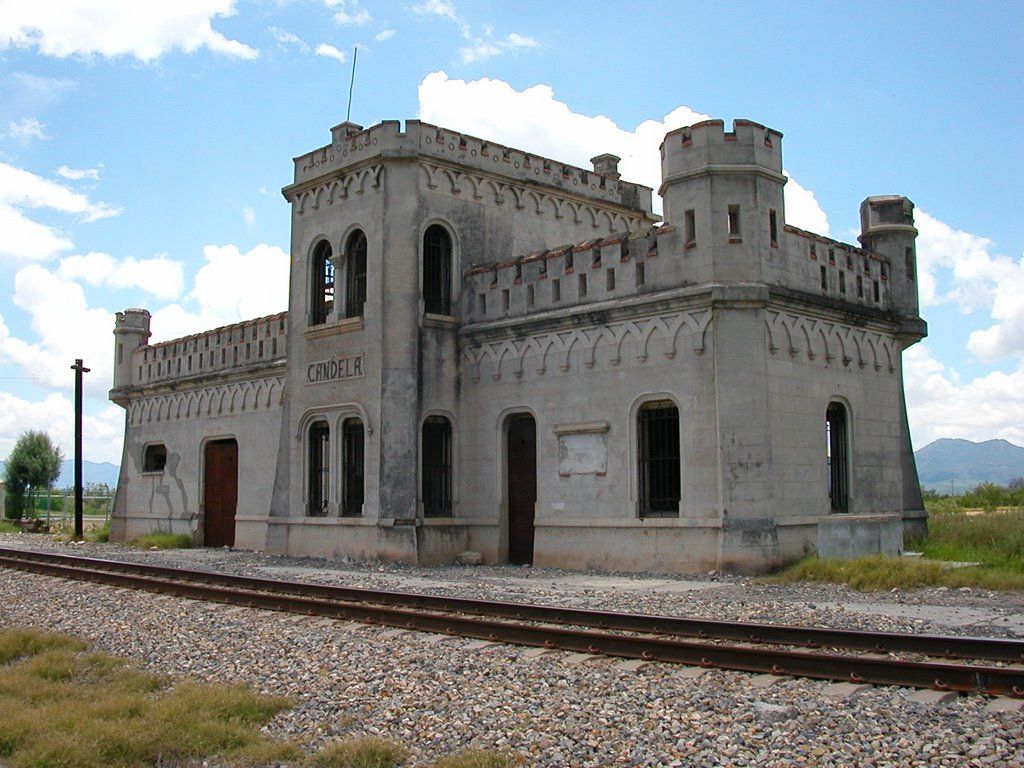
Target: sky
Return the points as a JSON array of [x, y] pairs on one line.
[[143, 146]]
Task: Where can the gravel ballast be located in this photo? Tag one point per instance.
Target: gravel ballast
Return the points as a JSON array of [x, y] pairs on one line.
[[438, 697]]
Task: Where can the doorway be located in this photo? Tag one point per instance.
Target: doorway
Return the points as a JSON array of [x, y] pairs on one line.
[[220, 492], [522, 487]]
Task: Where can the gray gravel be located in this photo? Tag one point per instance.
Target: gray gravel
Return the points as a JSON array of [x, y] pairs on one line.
[[437, 698]]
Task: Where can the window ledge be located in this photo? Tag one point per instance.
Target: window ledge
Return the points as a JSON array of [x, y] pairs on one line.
[[584, 428], [152, 472], [345, 325], [439, 321]]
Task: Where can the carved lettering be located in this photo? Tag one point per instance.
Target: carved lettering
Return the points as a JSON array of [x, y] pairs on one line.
[[335, 369]]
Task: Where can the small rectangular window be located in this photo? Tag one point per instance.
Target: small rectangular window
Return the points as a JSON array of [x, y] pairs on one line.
[[691, 229], [814, 252], [842, 282], [556, 290], [120, 353], [640, 276], [529, 295], [831, 255], [154, 459], [877, 298], [773, 228], [595, 260], [583, 286], [568, 260], [824, 277], [609, 280], [860, 287], [910, 266], [734, 222], [505, 300], [481, 303]]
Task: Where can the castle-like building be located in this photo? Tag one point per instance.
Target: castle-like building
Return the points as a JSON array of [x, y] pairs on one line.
[[492, 351]]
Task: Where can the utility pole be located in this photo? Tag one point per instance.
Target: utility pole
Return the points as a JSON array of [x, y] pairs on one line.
[[79, 369]]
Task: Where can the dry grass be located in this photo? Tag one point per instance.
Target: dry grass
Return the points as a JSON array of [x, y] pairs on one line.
[[476, 758], [363, 752], [879, 572], [162, 540], [66, 708]]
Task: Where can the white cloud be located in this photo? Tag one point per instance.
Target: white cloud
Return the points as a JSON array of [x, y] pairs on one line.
[[977, 279], [325, 49], [231, 286], [21, 236], [25, 130], [349, 13], [102, 428], [485, 48], [145, 30], [384, 34], [534, 120], [442, 10], [67, 328], [286, 38], [41, 89], [77, 174], [248, 215], [160, 276], [939, 404]]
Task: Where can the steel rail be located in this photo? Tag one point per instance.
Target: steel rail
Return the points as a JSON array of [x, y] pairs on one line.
[[993, 649], [861, 669]]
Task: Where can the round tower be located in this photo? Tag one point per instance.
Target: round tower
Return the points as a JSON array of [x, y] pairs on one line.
[[887, 228], [131, 331], [722, 190]]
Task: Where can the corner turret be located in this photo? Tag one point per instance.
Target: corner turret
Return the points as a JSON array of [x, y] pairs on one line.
[[131, 331], [887, 227], [723, 191]]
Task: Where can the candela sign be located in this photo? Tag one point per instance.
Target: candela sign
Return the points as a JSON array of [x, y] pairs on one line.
[[335, 369]]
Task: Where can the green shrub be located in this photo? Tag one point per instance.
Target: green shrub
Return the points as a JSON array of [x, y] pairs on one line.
[[162, 540], [363, 752], [994, 539], [101, 534], [8, 527]]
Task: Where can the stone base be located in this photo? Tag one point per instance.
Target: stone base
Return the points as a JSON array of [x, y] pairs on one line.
[[847, 536]]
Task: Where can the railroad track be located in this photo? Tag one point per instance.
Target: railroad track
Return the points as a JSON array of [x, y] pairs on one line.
[[749, 647]]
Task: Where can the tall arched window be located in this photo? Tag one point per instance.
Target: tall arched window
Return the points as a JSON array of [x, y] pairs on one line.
[[352, 467], [437, 267], [321, 295], [837, 441], [658, 452], [355, 275], [437, 467], [319, 468]]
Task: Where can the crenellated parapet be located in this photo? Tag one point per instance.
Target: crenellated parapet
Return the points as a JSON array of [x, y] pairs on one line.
[[253, 344], [352, 145]]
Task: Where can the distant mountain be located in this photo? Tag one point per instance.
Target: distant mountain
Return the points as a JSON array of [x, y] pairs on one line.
[[92, 472], [966, 464]]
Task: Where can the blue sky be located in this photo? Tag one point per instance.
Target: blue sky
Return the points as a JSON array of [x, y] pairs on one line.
[[143, 147]]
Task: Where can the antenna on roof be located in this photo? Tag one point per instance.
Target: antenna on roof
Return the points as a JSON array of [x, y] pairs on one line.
[[351, 83]]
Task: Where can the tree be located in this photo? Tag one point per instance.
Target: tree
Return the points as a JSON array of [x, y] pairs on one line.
[[33, 464]]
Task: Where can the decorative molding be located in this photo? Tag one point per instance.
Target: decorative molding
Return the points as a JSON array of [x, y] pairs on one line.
[[540, 202], [558, 347], [206, 402], [826, 341], [355, 183]]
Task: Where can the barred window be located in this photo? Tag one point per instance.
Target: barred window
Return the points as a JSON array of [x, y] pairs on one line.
[[319, 468], [321, 297], [352, 436], [437, 267], [837, 457], [355, 275], [437, 467], [659, 475]]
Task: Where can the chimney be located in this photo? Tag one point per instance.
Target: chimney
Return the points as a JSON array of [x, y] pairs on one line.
[[607, 166]]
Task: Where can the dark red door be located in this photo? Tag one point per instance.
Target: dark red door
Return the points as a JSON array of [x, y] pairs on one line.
[[220, 492], [522, 488]]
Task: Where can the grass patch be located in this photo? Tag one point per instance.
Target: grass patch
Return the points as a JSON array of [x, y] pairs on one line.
[[68, 708], [995, 539], [879, 572], [100, 535], [363, 752], [8, 527], [162, 540], [477, 758]]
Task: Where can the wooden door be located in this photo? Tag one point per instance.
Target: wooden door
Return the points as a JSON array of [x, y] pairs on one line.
[[522, 488], [220, 492]]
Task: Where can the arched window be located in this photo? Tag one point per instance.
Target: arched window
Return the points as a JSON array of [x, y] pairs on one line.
[[355, 275], [437, 266], [319, 468], [437, 467], [837, 457], [658, 452], [352, 467], [321, 295]]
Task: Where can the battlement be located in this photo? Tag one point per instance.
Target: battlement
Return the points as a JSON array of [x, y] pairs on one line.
[[262, 340], [886, 213], [132, 321], [352, 145], [707, 147]]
